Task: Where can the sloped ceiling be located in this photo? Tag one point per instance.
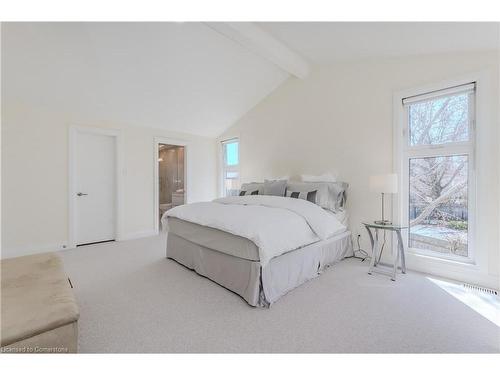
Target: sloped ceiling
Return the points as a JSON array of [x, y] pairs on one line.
[[324, 43], [182, 77], [188, 77]]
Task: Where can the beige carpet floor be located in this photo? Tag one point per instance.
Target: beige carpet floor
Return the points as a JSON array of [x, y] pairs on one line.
[[133, 299]]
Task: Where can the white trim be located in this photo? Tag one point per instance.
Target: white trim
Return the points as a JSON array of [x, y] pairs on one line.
[[255, 39], [156, 191], [73, 131], [33, 249], [224, 167], [460, 89], [13, 252], [220, 168], [230, 140], [476, 271]]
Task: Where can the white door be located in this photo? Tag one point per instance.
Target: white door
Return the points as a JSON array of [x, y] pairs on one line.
[[95, 187]]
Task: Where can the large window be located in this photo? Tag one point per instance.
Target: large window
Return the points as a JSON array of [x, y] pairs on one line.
[[230, 167], [438, 152]]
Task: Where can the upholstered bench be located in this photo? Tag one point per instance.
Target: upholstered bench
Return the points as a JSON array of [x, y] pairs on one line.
[[39, 313]]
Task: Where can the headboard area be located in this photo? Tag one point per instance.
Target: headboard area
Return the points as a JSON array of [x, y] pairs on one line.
[[329, 195]]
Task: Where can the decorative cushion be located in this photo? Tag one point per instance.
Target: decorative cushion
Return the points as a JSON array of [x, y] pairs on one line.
[[307, 195], [276, 187], [252, 186], [330, 195], [243, 192]]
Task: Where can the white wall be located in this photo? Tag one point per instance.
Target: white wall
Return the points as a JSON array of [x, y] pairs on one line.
[[56, 75], [340, 119], [498, 127], [35, 175]]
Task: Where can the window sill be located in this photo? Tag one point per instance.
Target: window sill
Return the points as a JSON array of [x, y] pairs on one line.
[[424, 259], [449, 260], [472, 273]]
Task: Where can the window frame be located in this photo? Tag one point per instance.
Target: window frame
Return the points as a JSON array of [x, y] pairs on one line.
[[228, 168], [404, 152]]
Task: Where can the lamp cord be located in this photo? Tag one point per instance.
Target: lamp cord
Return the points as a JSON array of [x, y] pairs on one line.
[[364, 254]]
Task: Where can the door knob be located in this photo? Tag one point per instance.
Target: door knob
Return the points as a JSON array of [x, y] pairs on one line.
[[80, 194]]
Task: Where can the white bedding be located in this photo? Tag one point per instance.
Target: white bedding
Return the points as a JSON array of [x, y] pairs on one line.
[[275, 224], [341, 216]]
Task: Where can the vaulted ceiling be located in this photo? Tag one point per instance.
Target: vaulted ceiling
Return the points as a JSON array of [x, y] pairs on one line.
[[329, 42], [196, 78], [182, 77]]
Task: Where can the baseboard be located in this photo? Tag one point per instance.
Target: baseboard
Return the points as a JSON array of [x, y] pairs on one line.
[[44, 248], [475, 278], [136, 235], [31, 249]]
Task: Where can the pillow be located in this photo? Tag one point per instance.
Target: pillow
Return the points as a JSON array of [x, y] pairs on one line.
[[276, 187], [329, 195], [307, 195], [277, 178], [326, 177], [243, 192], [252, 186]]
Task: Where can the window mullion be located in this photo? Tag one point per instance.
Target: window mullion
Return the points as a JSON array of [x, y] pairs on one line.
[[442, 151], [437, 166]]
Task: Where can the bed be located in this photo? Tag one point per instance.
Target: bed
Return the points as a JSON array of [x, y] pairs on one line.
[[258, 246]]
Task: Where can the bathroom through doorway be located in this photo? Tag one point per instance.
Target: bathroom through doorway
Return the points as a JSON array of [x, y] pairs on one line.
[[171, 188]]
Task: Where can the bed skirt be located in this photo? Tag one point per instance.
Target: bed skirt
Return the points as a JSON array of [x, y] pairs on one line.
[[260, 286]]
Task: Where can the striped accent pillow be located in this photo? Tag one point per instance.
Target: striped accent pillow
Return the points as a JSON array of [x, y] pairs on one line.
[[307, 195], [244, 192]]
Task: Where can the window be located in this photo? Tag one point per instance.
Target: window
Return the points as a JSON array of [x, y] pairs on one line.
[[437, 166], [230, 167]]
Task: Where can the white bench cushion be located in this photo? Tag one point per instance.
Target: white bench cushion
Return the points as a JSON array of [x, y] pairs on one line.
[[36, 297]]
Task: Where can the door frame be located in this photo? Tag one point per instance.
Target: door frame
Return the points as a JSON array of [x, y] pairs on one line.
[[74, 130], [156, 143]]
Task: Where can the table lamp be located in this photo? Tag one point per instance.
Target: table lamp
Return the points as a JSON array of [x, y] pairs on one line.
[[384, 184]]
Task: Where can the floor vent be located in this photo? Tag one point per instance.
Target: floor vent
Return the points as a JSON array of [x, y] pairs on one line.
[[481, 289]]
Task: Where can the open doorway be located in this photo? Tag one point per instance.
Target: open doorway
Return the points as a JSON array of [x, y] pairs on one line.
[[171, 184]]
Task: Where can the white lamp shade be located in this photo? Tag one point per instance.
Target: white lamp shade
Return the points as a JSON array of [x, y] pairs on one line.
[[384, 183]]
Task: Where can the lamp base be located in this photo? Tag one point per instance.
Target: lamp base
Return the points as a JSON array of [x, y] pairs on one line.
[[383, 222]]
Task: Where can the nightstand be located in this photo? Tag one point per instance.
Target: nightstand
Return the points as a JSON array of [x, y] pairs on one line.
[[373, 231]]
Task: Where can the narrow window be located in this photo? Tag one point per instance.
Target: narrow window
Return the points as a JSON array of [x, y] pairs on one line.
[[230, 167], [438, 148]]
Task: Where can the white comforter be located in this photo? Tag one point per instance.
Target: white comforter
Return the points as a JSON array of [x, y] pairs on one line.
[[275, 224]]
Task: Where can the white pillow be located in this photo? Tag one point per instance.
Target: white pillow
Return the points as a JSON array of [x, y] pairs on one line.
[[326, 177], [278, 178], [330, 195], [276, 187]]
